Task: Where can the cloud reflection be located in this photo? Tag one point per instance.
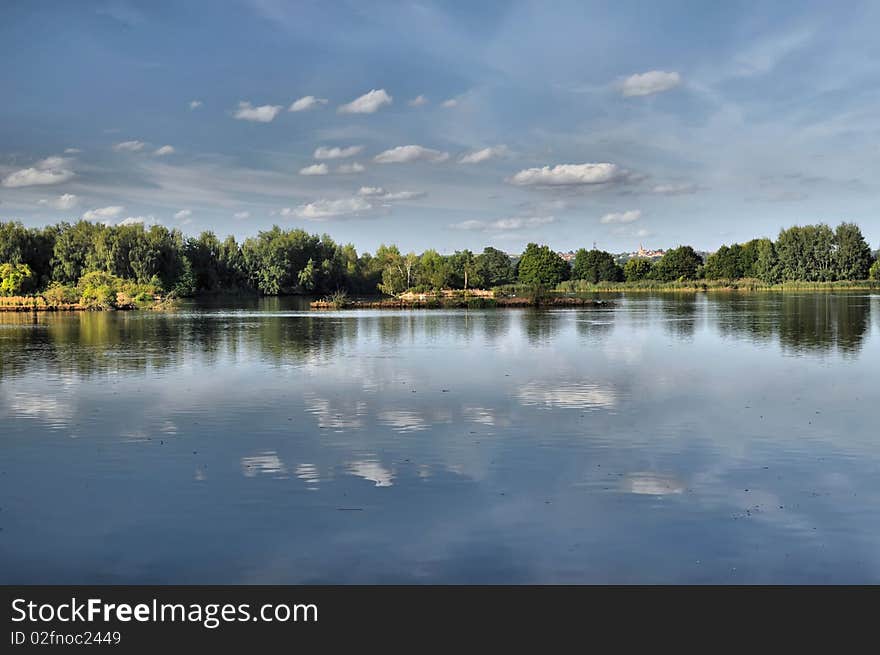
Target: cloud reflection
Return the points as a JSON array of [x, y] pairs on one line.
[[574, 395], [267, 462], [373, 471]]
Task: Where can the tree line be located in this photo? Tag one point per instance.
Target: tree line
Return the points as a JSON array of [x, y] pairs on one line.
[[279, 262]]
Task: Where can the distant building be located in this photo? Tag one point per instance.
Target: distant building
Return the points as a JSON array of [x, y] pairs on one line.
[[567, 256], [650, 254]]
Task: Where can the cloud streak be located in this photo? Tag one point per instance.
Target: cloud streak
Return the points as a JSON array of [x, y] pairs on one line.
[[337, 153], [504, 224], [262, 114], [52, 170], [479, 156], [621, 217], [314, 169], [646, 84], [569, 175], [409, 154], [306, 103], [369, 103]]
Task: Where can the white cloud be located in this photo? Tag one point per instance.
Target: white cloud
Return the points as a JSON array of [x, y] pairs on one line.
[[469, 225], [418, 101], [321, 209], [129, 146], [314, 169], [64, 201], [349, 169], [369, 103], [505, 224], [569, 175], [621, 217], [195, 104], [378, 193], [103, 213], [262, 114], [71, 151], [485, 154], [411, 153], [307, 102], [241, 215], [674, 189], [449, 104], [164, 150], [766, 55], [645, 84], [46, 171], [337, 153], [627, 231], [371, 191], [182, 214], [135, 220]]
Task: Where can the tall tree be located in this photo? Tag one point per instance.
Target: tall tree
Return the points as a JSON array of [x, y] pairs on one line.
[[638, 268], [494, 267], [596, 266], [540, 266], [766, 266], [434, 270], [852, 254], [463, 269], [679, 263]]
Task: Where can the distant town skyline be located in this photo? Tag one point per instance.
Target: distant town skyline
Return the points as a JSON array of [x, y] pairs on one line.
[[444, 125]]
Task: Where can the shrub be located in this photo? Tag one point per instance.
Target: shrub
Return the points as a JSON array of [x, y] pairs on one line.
[[16, 279], [100, 290], [61, 294]]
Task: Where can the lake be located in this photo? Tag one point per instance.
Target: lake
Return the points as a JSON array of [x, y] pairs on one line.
[[692, 438]]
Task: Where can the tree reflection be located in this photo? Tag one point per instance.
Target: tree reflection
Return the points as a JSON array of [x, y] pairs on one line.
[[679, 314], [541, 326], [803, 323]]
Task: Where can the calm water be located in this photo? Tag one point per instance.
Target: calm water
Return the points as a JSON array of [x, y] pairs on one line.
[[693, 438]]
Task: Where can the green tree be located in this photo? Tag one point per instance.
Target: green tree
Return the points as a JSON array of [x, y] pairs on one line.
[[638, 268], [16, 279], [677, 264], [806, 253], [463, 270], [596, 266], [852, 254], [494, 267], [540, 266], [410, 265], [766, 266], [75, 252], [393, 275], [875, 270], [433, 270], [748, 258]]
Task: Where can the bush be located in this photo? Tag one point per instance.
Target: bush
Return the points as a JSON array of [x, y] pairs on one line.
[[16, 279], [100, 290], [61, 294], [875, 270]]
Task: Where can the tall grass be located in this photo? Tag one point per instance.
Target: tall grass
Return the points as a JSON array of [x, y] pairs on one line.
[[744, 284]]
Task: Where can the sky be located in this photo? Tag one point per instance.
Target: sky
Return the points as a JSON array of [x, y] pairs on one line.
[[444, 125]]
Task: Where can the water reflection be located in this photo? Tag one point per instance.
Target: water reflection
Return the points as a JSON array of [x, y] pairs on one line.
[[661, 439], [90, 343]]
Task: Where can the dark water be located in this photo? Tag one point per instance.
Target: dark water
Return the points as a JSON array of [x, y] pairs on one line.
[[693, 438]]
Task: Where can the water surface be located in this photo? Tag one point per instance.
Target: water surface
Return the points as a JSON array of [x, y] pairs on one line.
[[669, 438]]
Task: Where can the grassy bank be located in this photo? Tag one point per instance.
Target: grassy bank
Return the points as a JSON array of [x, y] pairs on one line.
[[94, 291], [554, 300], [745, 284]]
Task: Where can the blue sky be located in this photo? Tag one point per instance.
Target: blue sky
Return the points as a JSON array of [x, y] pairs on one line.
[[446, 125]]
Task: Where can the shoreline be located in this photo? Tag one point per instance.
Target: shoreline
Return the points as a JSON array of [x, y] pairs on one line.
[[460, 303]]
